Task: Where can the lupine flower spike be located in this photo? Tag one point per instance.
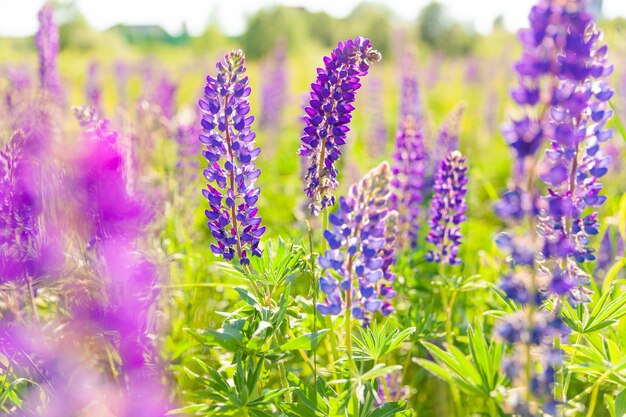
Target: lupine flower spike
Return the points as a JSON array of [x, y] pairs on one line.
[[362, 240], [230, 153], [47, 40], [409, 167], [448, 136], [447, 210], [575, 162], [329, 114]]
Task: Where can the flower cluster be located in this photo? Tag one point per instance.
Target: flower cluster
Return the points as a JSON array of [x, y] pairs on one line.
[[447, 210], [575, 163], [274, 89], [410, 101], [409, 168], [328, 115], [47, 40], [227, 135], [361, 241]]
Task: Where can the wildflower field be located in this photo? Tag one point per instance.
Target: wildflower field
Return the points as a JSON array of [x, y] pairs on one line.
[[315, 231]]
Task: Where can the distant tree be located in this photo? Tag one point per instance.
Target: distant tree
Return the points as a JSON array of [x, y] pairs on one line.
[[438, 30], [373, 21], [267, 26]]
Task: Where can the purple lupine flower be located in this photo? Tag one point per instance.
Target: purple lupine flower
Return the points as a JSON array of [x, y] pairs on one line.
[[532, 340], [377, 134], [329, 114], [188, 147], [409, 167], [410, 100], [395, 390], [574, 165], [226, 132], [19, 81], [93, 87], [47, 40], [121, 80], [537, 72], [447, 210], [274, 90], [115, 219], [448, 136], [164, 97], [361, 250], [19, 212]]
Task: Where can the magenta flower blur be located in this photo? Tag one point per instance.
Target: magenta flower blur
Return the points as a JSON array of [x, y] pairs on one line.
[[19, 213], [230, 153], [575, 163], [408, 169], [47, 40], [361, 250], [447, 210], [328, 116]]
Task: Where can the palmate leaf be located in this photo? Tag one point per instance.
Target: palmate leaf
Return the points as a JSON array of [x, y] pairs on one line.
[[391, 409], [479, 377], [376, 341], [604, 313], [601, 357]]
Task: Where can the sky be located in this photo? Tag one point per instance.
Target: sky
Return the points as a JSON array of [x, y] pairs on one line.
[[19, 17]]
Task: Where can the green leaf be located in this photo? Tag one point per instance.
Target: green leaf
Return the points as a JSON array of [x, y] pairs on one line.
[[390, 409], [620, 404], [305, 341]]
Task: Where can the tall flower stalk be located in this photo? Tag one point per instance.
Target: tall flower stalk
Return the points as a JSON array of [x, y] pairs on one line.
[[230, 152], [409, 168], [47, 41], [328, 116]]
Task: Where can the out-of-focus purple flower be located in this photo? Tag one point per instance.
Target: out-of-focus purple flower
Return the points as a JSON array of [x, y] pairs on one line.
[[275, 88], [361, 250], [188, 148], [101, 185], [47, 40], [410, 100], [409, 168], [328, 116], [121, 79], [447, 210], [448, 136], [164, 97], [227, 135], [19, 82], [390, 389], [19, 213], [377, 135], [574, 165], [93, 87], [610, 248]]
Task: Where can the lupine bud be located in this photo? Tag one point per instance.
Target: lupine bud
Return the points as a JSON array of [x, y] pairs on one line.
[[230, 153], [447, 210], [361, 242], [409, 168], [329, 115]]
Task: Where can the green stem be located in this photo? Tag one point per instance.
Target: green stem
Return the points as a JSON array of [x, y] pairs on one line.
[[31, 295], [592, 402], [568, 377]]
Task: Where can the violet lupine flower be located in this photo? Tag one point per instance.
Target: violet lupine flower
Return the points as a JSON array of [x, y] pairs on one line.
[[19, 212], [377, 134], [274, 90], [537, 72], [410, 100], [395, 390], [575, 163], [448, 136], [226, 132], [329, 114], [93, 87], [361, 242], [121, 80], [186, 136], [447, 210], [409, 168], [47, 40], [19, 81], [164, 97]]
